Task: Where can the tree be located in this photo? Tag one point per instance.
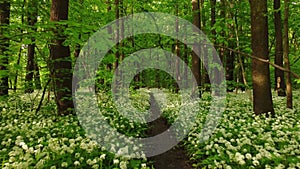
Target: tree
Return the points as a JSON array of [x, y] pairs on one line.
[[230, 55], [4, 22], [279, 74], [195, 58], [289, 102], [262, 97], [30, 68], [177, 51], [61, 68]]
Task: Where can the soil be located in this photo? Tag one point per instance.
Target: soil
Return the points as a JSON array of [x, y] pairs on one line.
[[176, 157]]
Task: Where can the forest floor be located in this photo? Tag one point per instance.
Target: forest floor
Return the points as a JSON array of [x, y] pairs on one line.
[[175, 158]]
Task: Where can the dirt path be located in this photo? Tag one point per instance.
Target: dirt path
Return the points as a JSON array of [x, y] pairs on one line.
[[176, 157]]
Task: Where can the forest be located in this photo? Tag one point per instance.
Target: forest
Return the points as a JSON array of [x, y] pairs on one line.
[[149, 84]]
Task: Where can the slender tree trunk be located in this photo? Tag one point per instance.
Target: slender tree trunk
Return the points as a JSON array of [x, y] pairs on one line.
[[32, 19], [195, 58], [109, 66], [241, 75], [37, 77], [78, 46], [4, 22], [121, 46], [230, 57], [31, 61], [279, 74], [213, 19], [262, 98], [230, 67], [289, 91], [17, 71], [117, 37], [20, 49], [29, 69], [61, 61], [222, 51], [177, 51], [186, 60], [213, 4]]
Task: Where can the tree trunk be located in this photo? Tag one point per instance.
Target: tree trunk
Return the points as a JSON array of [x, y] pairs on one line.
[[20, 49], [32, 19], [61, 60], [77, 46], [230, 67], [230, 57], [289, 92], [177, 52], [195, 58], [241, 75], [4, 21], [213, 19], [262, 97], [37, 77], [279, 74], [222, 33], [213, 4], [117, 38]]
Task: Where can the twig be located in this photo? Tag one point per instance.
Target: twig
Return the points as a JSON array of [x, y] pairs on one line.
[[260, 59], [43, 95]]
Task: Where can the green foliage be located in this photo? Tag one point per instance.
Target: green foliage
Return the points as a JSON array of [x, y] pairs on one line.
[[43, 140], [243, 140]]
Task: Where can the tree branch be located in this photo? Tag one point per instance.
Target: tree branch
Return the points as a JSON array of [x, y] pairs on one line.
[[260, 59]]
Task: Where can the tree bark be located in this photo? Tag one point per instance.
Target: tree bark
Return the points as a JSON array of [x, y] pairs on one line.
[[230, 56], [30, 68], [289, 92], [195, 58], [4, 22], [117, 38], [20, 49], [262, 97], [213, 4], [37, 76], [61, 68], [279, 74], [177, 52]]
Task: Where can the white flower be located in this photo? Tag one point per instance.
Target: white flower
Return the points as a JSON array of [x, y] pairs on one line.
[[76, 163], [40, 164], [89, 162], [239, 158], [258, 156], [116, 161], [255, 163], [144, 166], [77, 155], [102, 157], [123, 165], [12, 159], [123, 151], [280, 166], [64, 164], [96, 166], [248, 156], [228, 167]]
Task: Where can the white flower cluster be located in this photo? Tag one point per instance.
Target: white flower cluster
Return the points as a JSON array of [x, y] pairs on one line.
[[245, 140], [45, 140]]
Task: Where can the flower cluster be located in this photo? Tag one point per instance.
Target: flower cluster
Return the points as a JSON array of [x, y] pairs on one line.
[[45, 140], [243, 140]]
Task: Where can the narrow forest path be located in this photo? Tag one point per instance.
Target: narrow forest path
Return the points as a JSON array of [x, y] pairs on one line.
[[176, 157]]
